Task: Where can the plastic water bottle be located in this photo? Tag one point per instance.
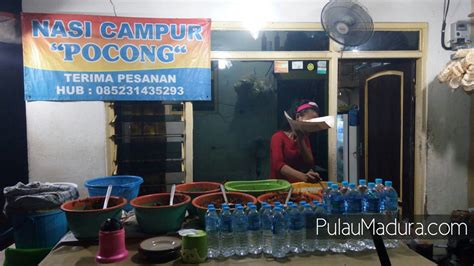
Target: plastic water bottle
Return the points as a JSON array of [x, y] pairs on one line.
[[353, 206], [279, 249], [371, 200], [310, 229], [267, 234], [390, 197], [213, 233], [380, 188], [336, 200], [287, 220], [353, 200], [254, 232], [301, 206], [344, 187], [239, 225], [370, 208], [379, 184], [326, 192], [322, 241], [227, 238], [296, 229], [362, 186], [336, 207]]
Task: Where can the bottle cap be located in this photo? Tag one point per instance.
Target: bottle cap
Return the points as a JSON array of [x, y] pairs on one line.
[[253, 207], [267, 206], [344, 183], [276, 203], [210, 205], [225, 204], [329, 183], [249, 203], [352, 185], [277, 208], [315, 202], [334, 186], [378, 181], [307, 205], [362, 182], [371, 184], [211, 208], [225, 207], [303, 202], [388, 183], [294, 205], [290, 202], [239, 207]]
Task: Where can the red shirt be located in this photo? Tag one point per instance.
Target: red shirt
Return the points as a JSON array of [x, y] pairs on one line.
[[285, 151]]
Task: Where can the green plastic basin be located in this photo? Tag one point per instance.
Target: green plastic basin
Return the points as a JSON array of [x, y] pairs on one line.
[[85, 216], [155, 216], [258, 187]]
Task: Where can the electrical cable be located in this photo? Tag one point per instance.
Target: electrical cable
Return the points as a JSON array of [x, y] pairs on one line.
[[443, 26]]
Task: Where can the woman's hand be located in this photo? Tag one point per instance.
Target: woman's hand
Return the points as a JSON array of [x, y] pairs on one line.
[[312, 177]]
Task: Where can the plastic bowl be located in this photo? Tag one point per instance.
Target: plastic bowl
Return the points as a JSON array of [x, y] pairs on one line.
[[201, 202], [197, 189], [155, 216], [296, 197], [85, 216], [125, 186], [258, 187]]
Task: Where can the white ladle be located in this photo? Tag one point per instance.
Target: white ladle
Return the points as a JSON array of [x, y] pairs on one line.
[[223, 194], [107, 197], [173, 190], [289, 196]]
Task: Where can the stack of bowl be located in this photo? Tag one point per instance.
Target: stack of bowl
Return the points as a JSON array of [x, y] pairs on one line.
[[196, 189]]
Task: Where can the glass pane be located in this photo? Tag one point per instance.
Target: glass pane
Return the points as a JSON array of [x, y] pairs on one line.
[[232, 141], [242, 40], [390, 41]]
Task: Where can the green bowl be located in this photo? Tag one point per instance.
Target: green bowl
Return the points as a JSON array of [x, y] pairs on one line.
[[85, 216], [155, 216], [258, 187]]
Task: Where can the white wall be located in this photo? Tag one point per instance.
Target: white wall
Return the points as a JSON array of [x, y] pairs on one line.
[[448, 113]]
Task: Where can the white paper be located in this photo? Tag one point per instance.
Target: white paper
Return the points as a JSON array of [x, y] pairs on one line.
[[297, 65], [311, 125]]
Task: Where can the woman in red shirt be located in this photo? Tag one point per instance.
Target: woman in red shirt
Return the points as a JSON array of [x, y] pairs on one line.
[[291, 157]]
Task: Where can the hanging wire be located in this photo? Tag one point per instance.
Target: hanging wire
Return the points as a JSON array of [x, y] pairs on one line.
[[443, 26], [113, 7]]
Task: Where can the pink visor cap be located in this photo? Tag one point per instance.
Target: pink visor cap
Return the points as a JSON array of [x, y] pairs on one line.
[[305, 106]]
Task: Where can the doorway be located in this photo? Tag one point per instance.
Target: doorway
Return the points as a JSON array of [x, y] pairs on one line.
[[382, 94]]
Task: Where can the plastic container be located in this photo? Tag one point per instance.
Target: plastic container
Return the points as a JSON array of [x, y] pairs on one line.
[[217, 199], [39, 229], [125, 186], [258, 187], [85, 216], [281, 197], [14, 256], [197, 189], [156, 216]]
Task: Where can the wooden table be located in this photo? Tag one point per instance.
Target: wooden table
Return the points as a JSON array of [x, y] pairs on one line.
[[76, 254]]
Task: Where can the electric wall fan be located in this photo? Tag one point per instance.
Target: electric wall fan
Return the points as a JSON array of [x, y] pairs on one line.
[[347, 22]]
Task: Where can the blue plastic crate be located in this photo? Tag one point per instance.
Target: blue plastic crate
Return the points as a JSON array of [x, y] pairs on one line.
[[39, 229], [125, 186]]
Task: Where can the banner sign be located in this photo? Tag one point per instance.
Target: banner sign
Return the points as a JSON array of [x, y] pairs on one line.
[[102, 58]]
